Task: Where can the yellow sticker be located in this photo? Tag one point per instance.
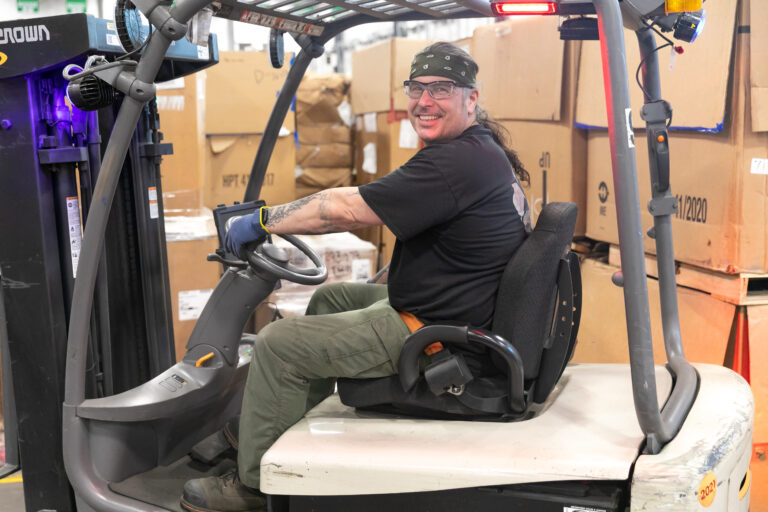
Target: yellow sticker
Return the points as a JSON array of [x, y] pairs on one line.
[[3, 58], [707, 489]]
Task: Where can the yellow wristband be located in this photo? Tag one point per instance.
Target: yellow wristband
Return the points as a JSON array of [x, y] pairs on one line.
[[261, 218]]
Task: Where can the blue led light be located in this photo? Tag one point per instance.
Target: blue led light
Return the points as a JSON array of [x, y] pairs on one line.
[[60, 110], [700, 26]]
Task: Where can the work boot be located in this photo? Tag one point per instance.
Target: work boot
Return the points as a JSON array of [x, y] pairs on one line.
[[224, 493]]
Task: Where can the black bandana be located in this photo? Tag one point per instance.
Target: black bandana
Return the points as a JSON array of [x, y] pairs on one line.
[[436, 63]]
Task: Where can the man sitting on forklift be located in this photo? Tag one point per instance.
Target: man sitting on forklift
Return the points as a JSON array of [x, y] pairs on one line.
[[459, 213]]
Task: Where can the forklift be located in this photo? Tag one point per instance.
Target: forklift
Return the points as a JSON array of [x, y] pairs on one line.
[[566, 439]]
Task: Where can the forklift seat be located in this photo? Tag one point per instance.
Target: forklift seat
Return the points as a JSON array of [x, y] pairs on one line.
[[538, 307]]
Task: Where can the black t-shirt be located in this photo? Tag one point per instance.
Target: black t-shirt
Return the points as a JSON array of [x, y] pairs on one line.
[[459, 214]]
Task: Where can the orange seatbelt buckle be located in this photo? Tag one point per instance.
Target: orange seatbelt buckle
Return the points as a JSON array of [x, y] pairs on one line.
[[414, 324], [434, 348]]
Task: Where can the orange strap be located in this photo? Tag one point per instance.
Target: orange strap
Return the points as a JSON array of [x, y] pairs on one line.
[[414, 324]]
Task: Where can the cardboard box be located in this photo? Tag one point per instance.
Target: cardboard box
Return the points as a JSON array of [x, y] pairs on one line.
[[323, 133], [190, 238], [378, 73], [554, 152], [465, 44], [705, 322], [324, 177], [229, 160], [543, 71], [719, 181], [240, 93], [323, 99], [721, 219], [695, 86], [181, 106], [529, 84], [347, 258], [555, 156], [324, 155], [757, 322], [383, 142], [758, 494], [386, 246], [759, 67]]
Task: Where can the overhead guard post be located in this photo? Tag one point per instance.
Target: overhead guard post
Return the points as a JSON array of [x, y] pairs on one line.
[[686, 379], [621, 137]]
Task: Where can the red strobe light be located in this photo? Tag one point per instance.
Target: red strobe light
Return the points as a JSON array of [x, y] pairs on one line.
[[511, 8]]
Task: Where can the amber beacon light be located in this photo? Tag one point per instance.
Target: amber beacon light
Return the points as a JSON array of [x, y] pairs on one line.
[[682, 5], [524, 8]]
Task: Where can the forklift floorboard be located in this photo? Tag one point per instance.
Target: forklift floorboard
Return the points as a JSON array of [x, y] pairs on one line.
[[162, 486]]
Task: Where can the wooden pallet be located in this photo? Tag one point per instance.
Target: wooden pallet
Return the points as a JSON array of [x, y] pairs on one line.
[[739, 289]]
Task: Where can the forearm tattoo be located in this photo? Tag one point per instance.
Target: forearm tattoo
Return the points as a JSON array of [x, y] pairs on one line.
[[322, 202]]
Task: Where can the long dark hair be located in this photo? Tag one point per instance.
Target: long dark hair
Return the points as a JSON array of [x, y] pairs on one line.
[[502, 138], [500, 134]]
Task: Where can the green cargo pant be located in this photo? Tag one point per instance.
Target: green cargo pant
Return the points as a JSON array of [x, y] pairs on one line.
[[350, 331]]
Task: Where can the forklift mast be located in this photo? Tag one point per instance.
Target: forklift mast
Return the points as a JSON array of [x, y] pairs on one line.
[[50, 159]]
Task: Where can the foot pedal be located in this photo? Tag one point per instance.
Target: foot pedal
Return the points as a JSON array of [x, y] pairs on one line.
[[211, 448]]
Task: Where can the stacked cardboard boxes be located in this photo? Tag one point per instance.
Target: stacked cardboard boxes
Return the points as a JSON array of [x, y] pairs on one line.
[[323, 118], [240, 94], [705, 321], [181, 106], [384, 138], [215, 120], [190, 236], [719, 178], [719, 163], [534, 96], [712, 330]]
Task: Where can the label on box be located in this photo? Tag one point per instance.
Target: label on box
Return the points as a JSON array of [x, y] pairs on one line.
[[691, 208], [359, 123], [369, 120], [170, 102], [191, 303], [202, 52], [176, 83], [361, 270], [408, 138], [369, 158], [759, 166], [345, 112], [75, 237], [630, 132]]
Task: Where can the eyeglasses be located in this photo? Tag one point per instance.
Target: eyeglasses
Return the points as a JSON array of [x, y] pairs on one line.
[[437, 90]]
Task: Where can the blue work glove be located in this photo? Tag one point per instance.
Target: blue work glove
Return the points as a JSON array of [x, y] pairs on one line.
[[244, 230]]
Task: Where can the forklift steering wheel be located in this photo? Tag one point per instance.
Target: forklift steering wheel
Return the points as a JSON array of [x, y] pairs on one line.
[[274, 261]]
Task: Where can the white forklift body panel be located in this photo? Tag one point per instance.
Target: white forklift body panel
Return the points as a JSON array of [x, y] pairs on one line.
[[588, 431], [715, 441]]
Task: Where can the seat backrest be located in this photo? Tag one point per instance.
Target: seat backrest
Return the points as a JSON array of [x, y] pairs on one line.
[[527, 292]]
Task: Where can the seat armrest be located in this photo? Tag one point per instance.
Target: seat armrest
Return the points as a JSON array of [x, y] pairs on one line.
[[408, 364]]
